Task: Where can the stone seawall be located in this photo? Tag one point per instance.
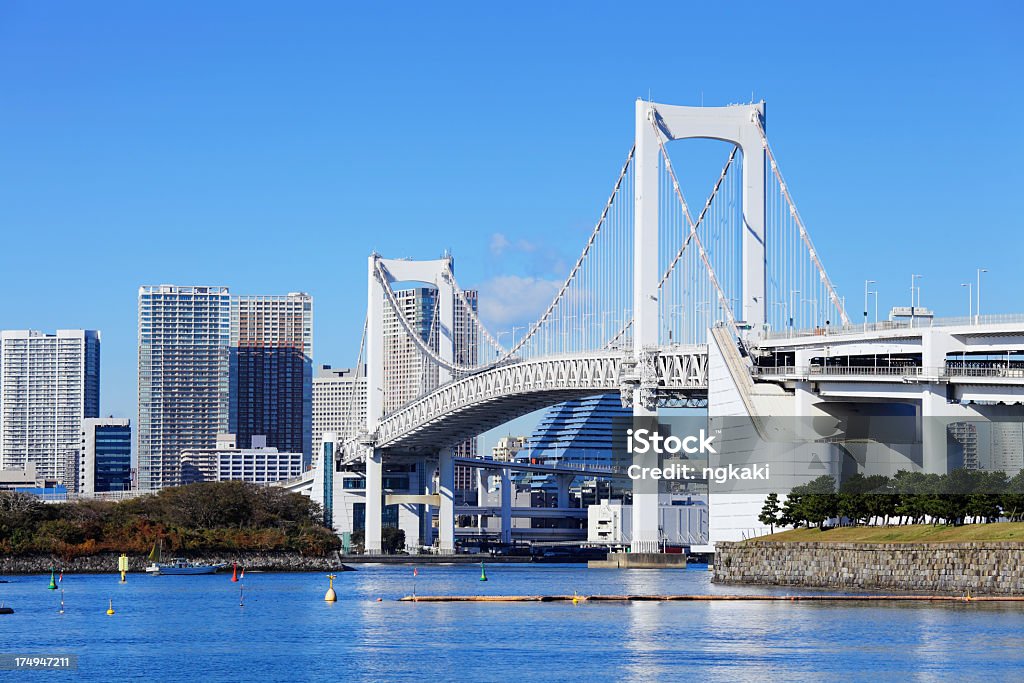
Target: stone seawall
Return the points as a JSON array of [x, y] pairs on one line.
[[983, 568], [107, 563]]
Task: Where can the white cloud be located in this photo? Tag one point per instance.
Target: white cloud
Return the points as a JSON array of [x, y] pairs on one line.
[[507, 300], [499, 243]]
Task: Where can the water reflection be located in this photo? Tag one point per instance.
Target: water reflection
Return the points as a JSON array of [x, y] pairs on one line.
[[166, 627]]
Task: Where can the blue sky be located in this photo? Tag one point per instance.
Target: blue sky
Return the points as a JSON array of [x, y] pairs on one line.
[[270, 147]]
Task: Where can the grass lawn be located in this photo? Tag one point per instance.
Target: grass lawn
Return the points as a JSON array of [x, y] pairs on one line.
[[916, 533]]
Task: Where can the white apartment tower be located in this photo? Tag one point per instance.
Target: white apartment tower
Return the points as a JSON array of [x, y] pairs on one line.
[[339, 403], [407, 374], [184, 395], [48, 384]]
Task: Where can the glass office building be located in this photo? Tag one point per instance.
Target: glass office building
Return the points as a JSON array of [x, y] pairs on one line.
[[106, 455]]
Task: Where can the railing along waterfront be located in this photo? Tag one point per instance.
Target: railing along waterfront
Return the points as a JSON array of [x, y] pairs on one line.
[[948, 371], [885, 325]]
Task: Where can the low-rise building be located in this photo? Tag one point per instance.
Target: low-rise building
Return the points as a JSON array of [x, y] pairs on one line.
[[260, 464], [507, 447], [105, 457]]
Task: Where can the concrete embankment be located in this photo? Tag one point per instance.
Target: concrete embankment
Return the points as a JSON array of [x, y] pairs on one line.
[[640, 561], [107, 562], [980, 568]]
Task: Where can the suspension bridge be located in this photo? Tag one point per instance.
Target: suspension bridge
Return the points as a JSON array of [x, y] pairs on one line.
[[722, 304]]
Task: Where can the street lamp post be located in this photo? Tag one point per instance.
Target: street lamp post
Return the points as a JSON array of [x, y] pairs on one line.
[[970, 299], [500, 334], [977, 309], [812, 305], [874, 293], [792, 307], [514, 328], [866, 283], [913, 287], [784, 306]]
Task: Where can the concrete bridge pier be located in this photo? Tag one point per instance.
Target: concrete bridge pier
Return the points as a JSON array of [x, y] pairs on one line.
[[446, 491], [482, 483], [427, 523], [374, 501], [564, 481], [507, 494]]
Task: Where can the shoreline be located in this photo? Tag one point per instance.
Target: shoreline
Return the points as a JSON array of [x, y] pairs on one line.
[[263, 561], [106, 563]]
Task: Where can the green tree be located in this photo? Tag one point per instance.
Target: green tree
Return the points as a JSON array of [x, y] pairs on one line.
[[819, 502], [1012, 500], [770, 512], [392, 540]]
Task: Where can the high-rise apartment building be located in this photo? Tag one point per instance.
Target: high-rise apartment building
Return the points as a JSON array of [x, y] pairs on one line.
[[106, 455], [48, 384], [407, 374], [339, 403], [184, 378], [272, 371]]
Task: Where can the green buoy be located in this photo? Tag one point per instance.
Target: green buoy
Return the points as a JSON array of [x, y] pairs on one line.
[[53, 580], [483, 574]]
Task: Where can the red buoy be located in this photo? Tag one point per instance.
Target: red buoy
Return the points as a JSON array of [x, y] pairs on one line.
[[234, 571]]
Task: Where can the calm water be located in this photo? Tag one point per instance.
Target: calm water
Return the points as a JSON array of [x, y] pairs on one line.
[[192, 628]]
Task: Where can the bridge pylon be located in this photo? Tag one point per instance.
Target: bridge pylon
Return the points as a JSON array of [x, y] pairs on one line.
[[741, 125]]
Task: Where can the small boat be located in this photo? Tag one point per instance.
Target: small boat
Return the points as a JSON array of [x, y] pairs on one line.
[[177, 565], [180, 565]]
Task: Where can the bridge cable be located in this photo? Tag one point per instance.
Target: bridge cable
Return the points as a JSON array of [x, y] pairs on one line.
[[579, 262], [453, 367], [804, 234], [448, 275], [722, 300], [700, 218]]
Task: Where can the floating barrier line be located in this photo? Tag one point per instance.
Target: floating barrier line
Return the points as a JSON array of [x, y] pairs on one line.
[[711, 598]]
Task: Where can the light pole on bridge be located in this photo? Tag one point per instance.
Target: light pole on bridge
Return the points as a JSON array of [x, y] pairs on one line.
[[913, 287], [792, 307], [977, 309], [500, 334], [514, 328], [813, 305], [785, 312], [866, 283], [970, 299]]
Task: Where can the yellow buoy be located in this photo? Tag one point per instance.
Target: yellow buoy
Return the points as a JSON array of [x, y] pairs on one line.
[[575, 598], [122, 566], [331, 596], [110, 609]]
